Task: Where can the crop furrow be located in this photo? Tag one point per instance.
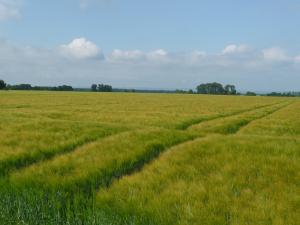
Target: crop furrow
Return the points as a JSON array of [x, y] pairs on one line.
[[153, 151], [154, 155], [27, 159], [189, 123], [262, 116], [74, 178]]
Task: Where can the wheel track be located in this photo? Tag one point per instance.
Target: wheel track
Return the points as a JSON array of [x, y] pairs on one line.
[[152, 153], [27, 159], [155, 157], [189, 123]]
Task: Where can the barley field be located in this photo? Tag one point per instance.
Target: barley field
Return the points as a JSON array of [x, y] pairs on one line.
[[148, 159]]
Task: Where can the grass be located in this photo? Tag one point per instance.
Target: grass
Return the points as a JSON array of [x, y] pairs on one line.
[[92, 158], [232, 124], [219, 180], [235, 179], [26, 142], [99, 162]]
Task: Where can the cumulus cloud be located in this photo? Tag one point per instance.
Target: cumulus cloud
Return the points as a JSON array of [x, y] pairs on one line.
[[195, 57], [275, 54], [234, 49], [80, 48], [9, 9], [134, 55], [159, 55], [198, 53], [138, 69]]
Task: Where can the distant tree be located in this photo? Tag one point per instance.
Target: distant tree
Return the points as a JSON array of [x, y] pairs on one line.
[[274, 94], [250, 93], [179, 91], [65, 88], [129, 90], [230, 89], [21, 87], [104, 88], [43, 88], [191, 91], [2, 85], [211, 88], [202, 89], [94, 87], [216, 88], [283, 94], [39, 88]]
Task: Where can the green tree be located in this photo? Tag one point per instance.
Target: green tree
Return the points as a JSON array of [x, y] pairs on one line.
[[250, 93], [230, 89], [65, 88], [104, 88], [202, 89], [21, 87], [94, 87], [2, 85], [211, 88]]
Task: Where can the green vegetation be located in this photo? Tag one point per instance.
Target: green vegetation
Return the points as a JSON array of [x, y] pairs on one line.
[[101, 88], [217, 180], [284, 94], [26, 142], [2, 85], [250, 93], [159, 159], [216, 89], [28, 87]]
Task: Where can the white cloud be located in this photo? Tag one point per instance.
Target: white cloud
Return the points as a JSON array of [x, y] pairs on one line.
[[159, 55], [9, 9], [143, 69], [156, 56], [234, 49], [195, 57], [275, 54], [80, 48], [200, 54], [134, 55]]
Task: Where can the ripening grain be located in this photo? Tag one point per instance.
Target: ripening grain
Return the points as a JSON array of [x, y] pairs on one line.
[[159, 159]]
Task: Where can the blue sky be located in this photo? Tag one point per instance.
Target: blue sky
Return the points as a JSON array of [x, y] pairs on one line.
[[147, 44]]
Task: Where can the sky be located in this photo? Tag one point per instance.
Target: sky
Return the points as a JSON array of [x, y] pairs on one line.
[[157, 44]]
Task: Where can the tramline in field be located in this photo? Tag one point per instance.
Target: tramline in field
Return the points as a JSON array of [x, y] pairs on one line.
[[90, 158]]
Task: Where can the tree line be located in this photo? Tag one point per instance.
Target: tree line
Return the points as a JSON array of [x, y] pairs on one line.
[[211, 89], [284, 94], [4, 86], [101, 88], [205, 88], [216, 89], [94, 87]]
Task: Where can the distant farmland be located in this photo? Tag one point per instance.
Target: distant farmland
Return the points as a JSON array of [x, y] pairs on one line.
[[148, 159]]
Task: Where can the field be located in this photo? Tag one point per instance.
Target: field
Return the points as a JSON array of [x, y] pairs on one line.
[[148, 159]]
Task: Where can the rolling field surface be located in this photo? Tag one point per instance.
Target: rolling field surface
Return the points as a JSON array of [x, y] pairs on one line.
[[159, 159]]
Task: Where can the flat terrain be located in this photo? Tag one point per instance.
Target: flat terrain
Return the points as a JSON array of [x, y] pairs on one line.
[[159, 159]]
